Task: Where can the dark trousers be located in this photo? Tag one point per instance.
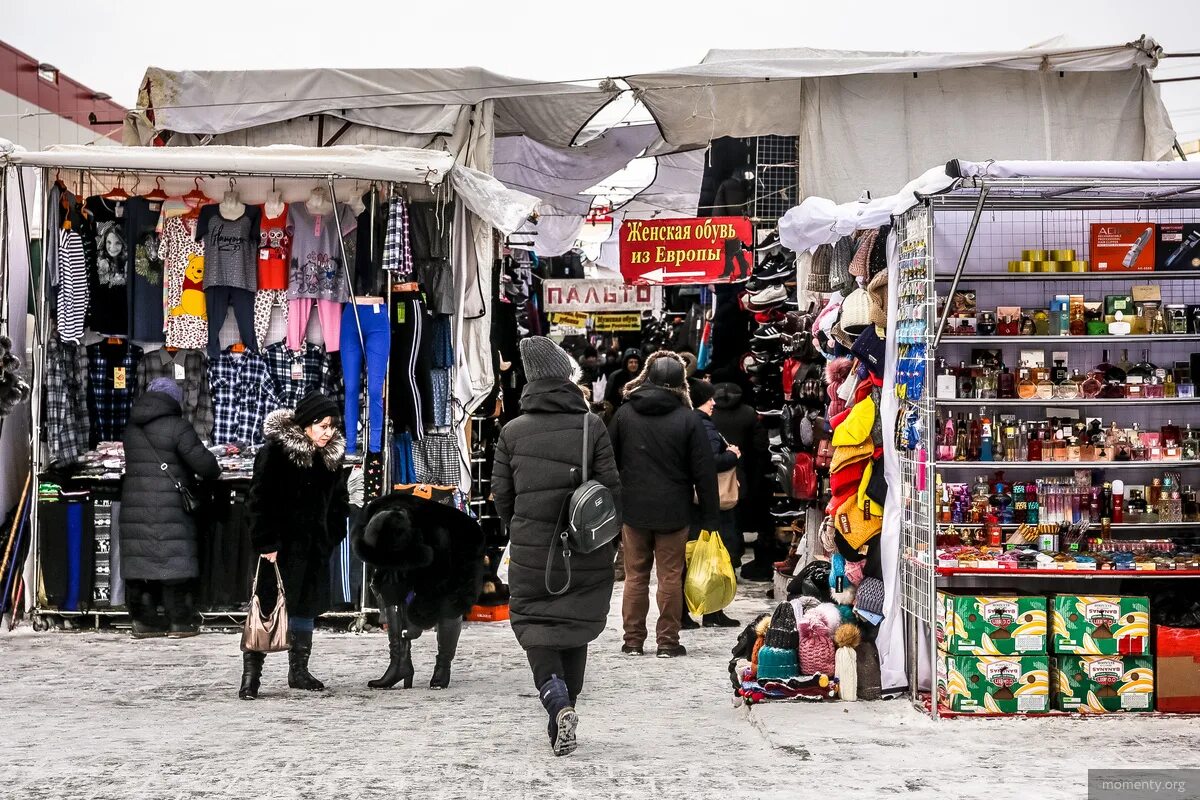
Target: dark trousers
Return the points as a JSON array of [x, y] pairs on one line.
[[176, 597], [569, 664], [217, 299]]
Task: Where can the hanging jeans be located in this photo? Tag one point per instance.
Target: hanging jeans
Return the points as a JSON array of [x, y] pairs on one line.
[[328, 311], [218, 299], [376, 341]]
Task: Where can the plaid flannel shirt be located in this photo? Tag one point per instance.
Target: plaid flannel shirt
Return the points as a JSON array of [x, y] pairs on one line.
[[243, 394], [290, 387], [66, 425], [112, 383], [397, 248], [192, 365]]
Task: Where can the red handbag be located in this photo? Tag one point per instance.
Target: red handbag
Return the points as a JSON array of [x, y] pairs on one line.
[[804, 478]]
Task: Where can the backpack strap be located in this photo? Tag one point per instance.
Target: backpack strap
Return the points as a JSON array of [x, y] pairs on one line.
[[566, 555], [586, 416]]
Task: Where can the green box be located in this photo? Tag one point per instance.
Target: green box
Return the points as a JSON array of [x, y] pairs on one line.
[[993, 625], [1102, 625], [1104, 684], [993, 684]]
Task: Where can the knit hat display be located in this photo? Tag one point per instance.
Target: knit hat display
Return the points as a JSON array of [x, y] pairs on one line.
[[839, 265], [877, 291], [870, 350], [777, 658], [840, 587], [313, 408], [168, 387], [856, 524], [854, 571], [862, 252], [870, 681], [543, 359], [845, 665], [877, 259], [816, 644], [856, 427], [702, 391], [818, 271], [868, 605], [848, 466], [856, 313]]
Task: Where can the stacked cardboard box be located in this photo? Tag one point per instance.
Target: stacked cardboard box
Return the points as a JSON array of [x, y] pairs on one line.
[[1102, 654]]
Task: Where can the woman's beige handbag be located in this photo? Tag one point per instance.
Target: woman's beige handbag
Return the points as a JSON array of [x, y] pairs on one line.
[[729, 488], [266, 634]]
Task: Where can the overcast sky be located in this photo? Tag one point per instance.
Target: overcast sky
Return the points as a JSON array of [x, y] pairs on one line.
[[107, 44]]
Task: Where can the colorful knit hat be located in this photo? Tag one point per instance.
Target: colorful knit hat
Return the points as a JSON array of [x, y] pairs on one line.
[[818, 270], [777, 657], [816, 645], [862, 253]]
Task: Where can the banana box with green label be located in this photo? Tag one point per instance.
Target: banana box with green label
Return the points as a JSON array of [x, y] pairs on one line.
[[1104, 684], [1103, 625], [1017, 684], [994, 625]]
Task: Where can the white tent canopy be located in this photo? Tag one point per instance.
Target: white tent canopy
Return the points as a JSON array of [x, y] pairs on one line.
[[873, 121]]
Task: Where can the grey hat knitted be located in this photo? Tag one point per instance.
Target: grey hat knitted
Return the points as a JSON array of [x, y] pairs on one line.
[[870, 596], [543, 359], [839, 268], [168, 387], [818, 270]]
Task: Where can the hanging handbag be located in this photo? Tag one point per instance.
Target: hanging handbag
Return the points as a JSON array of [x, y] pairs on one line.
[[728, 488], [266, 634], [187, 498]]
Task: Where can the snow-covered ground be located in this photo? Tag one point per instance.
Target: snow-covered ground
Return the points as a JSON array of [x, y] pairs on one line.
[[87, 715]]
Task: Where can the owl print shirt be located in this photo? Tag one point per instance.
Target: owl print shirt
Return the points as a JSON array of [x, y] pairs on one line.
[[274, 249], [317, 271]]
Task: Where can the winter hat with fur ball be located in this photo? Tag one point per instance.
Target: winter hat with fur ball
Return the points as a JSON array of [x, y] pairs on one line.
[[543, 359], [816, 642], [847, 638]]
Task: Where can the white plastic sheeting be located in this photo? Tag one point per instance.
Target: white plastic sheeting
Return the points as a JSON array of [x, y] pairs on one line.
[[1120, 170], [412, 101]]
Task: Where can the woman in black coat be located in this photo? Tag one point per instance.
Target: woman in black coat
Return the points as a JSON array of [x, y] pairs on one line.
[[429, 566], [297, 508], [160, 554], [538, 465]]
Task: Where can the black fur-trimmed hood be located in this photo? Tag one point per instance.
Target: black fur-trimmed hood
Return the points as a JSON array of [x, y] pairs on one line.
[[642, 378], [281, 427]]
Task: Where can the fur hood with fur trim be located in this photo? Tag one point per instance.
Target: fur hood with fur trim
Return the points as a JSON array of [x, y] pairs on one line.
[[642, 378], [281, 427]]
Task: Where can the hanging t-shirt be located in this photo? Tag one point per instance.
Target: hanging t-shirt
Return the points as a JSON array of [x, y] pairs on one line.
[[369, 277], [274, 249], [145, 270], [230, 247], [317, 271], [183, 268], [108, 273]]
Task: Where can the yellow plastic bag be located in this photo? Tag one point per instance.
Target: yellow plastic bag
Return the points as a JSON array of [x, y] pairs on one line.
[[710, 584]]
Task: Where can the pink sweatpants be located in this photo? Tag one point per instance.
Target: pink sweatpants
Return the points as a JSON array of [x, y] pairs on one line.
[[330, 314]]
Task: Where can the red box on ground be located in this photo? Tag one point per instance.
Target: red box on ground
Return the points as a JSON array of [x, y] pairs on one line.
[[1177, 671]]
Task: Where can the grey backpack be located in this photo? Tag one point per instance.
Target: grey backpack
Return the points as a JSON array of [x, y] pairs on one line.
[[589, 519]]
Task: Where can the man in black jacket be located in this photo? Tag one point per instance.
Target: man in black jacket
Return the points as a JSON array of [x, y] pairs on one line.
[[665, 459], [631, 365]]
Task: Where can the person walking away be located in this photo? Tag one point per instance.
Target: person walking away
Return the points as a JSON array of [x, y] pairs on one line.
[[160, 552], [631, 365], [726, 456], [738, 423], [537, 467], [665, 460], [297, 509]]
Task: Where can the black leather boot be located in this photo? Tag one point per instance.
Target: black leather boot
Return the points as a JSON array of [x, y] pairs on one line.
[[298, 652], [448, 631], [252, 665], [400, 666]]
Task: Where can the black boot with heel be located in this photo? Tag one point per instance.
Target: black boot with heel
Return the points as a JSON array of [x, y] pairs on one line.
[[400, 666], [448, 631], [252, 666], [298, 653]]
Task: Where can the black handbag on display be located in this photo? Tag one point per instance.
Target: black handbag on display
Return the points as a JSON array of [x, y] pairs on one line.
[[189, 501]]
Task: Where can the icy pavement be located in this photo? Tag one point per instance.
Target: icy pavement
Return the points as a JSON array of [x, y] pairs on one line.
[[86, 715]]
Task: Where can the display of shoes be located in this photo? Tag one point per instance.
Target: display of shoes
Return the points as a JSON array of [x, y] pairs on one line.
[[776, 267], [772, 295], [786, 508], [768, 332]]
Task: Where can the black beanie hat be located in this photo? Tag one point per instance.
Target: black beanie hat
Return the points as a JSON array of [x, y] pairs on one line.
[[314, 407], [701, 390]]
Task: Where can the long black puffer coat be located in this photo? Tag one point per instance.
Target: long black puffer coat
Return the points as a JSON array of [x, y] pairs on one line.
[[427, 556], [297, 506], [158, 538], [531, 481]]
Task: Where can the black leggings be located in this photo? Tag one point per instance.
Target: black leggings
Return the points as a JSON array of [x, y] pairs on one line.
[[568, 664]]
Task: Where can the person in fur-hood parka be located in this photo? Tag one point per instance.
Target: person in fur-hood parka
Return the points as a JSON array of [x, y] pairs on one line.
[[297, 509], [429, 569]]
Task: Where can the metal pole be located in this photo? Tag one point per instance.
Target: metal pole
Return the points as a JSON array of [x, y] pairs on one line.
[[337, 221], [962, 262]]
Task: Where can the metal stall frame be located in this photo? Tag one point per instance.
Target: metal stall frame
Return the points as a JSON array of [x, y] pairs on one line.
[[43, 617], [1004, 198]]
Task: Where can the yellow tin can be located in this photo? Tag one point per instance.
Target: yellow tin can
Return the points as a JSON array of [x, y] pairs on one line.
[[1035, 255]]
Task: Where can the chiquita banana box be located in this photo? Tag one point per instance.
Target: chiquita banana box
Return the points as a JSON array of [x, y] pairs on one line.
[[1102, 625], [990, 626], [1103, 684], [993, 684]]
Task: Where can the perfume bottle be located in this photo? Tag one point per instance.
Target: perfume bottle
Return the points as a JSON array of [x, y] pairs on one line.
[[976, 437], [986, 384], [1144, 369], [1117, 514], [1022, 443], [1009, 443], [1190, 447], [985, 436], [949, 440], [1091, 387], [1045, 389], [1009, 325], [1124, 364], [1034, 449], [1006, 385], [962, 444], [1170, 390], [1138, 448], [947, 384], [1153, 389], [1028, 326], [966, 380], [1077, 324], [1119, 327], [1026, 386], [1058, 374]]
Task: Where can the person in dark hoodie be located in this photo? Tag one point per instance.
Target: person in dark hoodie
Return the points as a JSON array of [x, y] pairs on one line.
[[537, 467], [738, 423], [665, 460], [160, 554], [726, 456], [631, 365]]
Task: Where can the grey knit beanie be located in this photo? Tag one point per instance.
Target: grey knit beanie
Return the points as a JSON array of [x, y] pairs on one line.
[[543, 359], [839, 268], [818, 270], [168, 387]]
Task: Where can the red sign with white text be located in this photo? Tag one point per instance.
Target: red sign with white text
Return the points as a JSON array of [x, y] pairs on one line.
[[688, 250]]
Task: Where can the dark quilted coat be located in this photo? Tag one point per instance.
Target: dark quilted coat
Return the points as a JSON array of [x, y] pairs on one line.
[[158, 538], [531, 480]]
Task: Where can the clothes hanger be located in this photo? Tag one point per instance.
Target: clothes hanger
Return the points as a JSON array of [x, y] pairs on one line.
[[117, 192], [195, 198], [157, 192]]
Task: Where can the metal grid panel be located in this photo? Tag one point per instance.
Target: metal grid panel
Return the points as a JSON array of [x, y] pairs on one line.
[[777, 175]]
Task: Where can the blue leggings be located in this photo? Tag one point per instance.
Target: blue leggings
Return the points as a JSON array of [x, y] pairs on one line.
[[377, 341]]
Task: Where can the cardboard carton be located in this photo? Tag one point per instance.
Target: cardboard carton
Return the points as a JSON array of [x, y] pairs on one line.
[[991, 625], [1100, 625], [993, 684], [1123, 246], [1177, 246], [1103, 684]]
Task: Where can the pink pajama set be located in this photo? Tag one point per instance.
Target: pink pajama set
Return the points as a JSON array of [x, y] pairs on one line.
[[317, 275]]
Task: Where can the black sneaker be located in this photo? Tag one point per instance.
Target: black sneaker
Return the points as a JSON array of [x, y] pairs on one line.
[[671, 651], [768, 332], [770, 243], [774, 269], [688, 624], [630, 650], [182, 631], [719, 620], [785, 509], [141, 630]]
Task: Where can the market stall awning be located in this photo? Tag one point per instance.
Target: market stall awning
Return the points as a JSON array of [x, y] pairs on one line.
[[411, 101], [873, 121]]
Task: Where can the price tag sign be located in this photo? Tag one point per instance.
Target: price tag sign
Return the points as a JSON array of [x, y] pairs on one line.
[[118, 377]]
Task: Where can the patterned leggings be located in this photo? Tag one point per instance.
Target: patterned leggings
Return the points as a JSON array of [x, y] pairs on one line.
[[265, 300]]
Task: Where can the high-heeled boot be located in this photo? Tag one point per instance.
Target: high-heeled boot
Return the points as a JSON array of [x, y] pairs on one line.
[[252, 666], [298, 653], [400, 666], [448, 631]]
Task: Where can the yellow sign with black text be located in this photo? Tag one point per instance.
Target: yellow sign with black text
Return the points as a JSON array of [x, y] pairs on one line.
[[614, 323]]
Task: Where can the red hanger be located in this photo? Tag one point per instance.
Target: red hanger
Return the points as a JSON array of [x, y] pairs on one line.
[[196, 197], [157, 192], [116, 193]]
